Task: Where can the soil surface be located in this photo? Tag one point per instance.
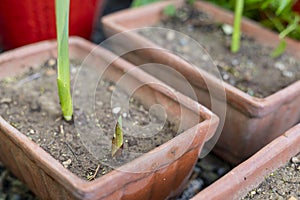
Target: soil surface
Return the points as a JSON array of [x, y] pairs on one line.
[[30, 103], [252, 69], [283, 184]]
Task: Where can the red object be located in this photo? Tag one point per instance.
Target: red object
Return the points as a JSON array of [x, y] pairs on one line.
[[27, 21], [296, 6]]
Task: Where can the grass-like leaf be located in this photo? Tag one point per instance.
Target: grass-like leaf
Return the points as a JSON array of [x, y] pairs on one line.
[[236, 36], [279, 49], [63, 68]]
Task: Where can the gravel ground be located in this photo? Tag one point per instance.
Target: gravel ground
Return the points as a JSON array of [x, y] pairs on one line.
[[11, 188]]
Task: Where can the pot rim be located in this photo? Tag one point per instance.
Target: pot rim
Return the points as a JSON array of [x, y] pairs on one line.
[[246, 176], [252, 106], [73, 183]]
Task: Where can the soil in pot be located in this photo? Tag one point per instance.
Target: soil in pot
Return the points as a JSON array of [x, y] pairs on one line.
[[30, 103], [252, 69], [284, 183]]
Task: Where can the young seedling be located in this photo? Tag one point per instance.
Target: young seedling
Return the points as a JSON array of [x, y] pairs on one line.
[[169, 11], [138, 3], [236, 36], [191, 2], [63, 68], [117, 140], [276, 15]]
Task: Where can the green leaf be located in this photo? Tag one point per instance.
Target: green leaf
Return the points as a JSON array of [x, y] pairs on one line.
[[293, 26], [117, 140], [63, 65], [236, 36], [191, 2], [283, 4], [138, 3], [169, 11], [279, 49]]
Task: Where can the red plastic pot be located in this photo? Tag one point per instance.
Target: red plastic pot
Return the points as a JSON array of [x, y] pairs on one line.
[[27, 21], [296, 6]]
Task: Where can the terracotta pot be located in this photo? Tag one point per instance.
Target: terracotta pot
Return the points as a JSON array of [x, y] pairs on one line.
[[157, 179], [28, 21], [250, 122], [249, 174]]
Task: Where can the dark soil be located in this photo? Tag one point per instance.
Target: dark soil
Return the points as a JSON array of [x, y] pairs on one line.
[[207, 170], [283, 184], [30, 103], [252, 69]]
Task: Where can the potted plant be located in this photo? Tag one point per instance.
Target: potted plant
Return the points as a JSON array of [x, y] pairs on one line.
[[251, 122], [247, 175], [157, 174], [29, 21]]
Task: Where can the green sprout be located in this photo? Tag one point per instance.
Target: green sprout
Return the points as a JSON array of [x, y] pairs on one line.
[[236, 36], [138, 3], [277, 15], [63, 68], [169, 11], [191, 2], [117, 140]]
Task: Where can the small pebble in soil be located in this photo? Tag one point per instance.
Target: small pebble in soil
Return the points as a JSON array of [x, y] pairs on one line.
[[292, 198], [67, 163], [296, 159], [5, 101], [227, 29], [170, 35], [280, 66], [288, 74], [51, 63], [116, 110]]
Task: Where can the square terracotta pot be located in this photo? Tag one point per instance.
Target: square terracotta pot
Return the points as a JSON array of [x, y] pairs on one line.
[[250, 122], [47, 178], [249, 174]]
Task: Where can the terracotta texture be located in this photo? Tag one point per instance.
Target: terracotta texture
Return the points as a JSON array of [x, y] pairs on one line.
[[250, 122], [27, 21], [50, 180], [251, 173]]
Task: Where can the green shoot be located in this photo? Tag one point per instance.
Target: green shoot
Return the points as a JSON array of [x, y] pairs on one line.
[[138, 3], [63, 68], [169, 11], [279, 49], [277, 15], [236, 36], [191, 2], [117, 140], [282, 45]]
